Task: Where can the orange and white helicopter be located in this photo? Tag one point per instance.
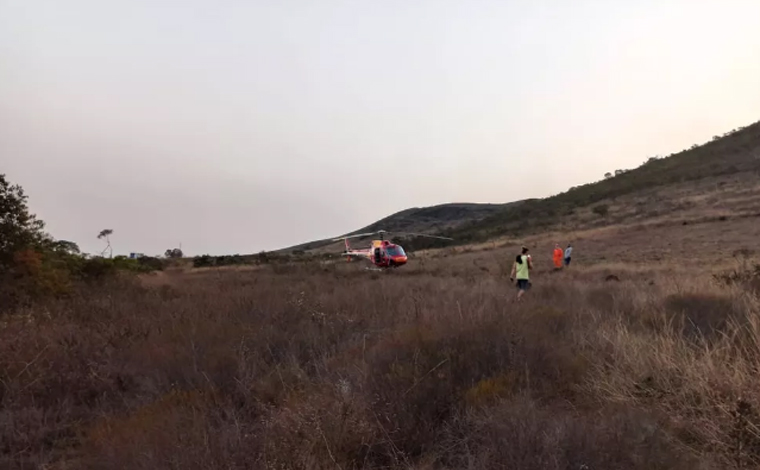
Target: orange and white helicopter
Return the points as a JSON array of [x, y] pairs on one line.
[[382, 253]]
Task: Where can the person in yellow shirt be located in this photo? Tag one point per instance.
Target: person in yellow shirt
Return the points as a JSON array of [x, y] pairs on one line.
[[521, 272]]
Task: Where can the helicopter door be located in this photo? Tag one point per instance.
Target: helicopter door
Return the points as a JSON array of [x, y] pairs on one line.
[[378, 255]]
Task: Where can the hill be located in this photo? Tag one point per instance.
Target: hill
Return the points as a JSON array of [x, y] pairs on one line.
[[433, 220], [726, 162]]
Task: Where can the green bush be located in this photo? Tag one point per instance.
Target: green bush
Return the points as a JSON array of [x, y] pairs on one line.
[[151, 263], [601, 209], [206, 261], [203, 261], [34, 266]]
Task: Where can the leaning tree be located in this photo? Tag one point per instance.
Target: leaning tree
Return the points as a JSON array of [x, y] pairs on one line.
[[106, 234]]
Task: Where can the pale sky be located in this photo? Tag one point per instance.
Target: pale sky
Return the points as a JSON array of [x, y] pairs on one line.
[[237, 126]]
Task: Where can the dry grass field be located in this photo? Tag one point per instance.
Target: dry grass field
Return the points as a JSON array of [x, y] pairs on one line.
[[430, 366], [644, 354]]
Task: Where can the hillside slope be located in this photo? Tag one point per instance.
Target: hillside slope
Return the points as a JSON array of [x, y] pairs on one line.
[[689, 173], [736, 153], [432, 220]]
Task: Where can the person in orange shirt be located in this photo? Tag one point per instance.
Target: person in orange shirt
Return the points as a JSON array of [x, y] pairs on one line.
[[559, 254]]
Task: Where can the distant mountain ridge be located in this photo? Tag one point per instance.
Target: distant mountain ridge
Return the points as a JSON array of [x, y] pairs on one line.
[[430, 220], [434, 219], [736, 151]]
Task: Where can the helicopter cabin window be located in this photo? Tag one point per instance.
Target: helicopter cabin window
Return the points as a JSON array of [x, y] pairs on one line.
[[395, 251]]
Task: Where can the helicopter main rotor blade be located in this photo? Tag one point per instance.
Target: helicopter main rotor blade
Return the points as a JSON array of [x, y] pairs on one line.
[[367, 234], [359, 235], [423, 235]]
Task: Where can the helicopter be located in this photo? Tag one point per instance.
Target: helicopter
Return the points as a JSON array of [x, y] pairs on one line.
[[381, 253]]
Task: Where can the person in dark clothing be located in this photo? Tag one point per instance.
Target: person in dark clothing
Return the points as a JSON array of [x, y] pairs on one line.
[[568, 252]]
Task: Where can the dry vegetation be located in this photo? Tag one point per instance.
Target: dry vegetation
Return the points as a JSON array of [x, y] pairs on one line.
[[435, 366], [645, 354]]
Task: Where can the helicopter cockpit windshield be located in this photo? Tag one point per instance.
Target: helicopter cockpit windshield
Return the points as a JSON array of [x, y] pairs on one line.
[[395, 251]]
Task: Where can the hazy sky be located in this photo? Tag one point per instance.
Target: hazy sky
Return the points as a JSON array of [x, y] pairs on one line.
[[235, 126]]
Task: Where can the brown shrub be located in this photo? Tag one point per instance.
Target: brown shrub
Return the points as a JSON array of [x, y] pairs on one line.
[[700, 315], [519, 433], [263, 369]]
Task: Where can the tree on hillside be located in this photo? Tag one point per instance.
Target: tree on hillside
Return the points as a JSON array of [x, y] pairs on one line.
[[173, 253], [106, 234], [66, 246], [19, 229], [601, 209], [607, 175]]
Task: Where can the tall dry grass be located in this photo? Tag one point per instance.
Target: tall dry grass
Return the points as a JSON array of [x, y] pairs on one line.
[[434, 366]]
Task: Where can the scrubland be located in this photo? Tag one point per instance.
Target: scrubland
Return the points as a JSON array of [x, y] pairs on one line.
[[622, 361], [644, 354]]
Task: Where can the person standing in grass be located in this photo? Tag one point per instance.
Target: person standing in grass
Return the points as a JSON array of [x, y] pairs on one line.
[[521, 272], [558, 255], [568, 252]]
